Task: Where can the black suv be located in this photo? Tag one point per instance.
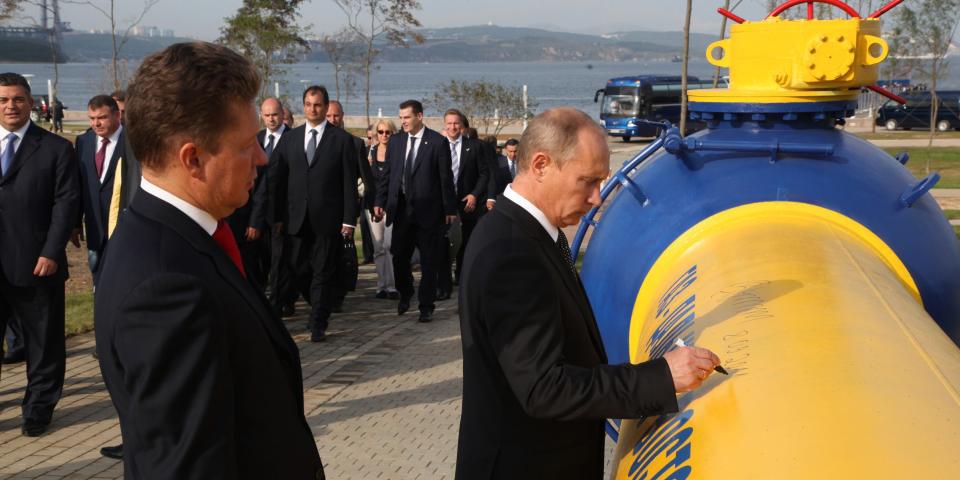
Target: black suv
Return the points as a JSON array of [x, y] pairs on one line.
[[916, 112]]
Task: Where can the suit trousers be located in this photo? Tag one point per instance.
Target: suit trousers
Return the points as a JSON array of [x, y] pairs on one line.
[[466, 229], [13, 336], [449, 246], [407, 236], [315, 271], [40, 312], [282, 290]]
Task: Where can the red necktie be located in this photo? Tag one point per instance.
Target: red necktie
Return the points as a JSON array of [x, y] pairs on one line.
[[224, 237], [101, 157]]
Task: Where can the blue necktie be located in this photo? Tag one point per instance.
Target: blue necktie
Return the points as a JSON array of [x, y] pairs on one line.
[[6, 158]]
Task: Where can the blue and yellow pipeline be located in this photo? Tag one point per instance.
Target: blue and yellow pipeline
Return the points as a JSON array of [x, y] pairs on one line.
[[815, 265]]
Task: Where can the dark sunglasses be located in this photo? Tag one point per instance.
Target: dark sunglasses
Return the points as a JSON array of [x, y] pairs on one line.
[[383, 132]]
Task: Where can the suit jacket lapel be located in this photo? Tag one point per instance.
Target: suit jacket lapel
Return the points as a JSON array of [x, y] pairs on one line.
[[321, 144], [465, 151], [165, 213], [28, 145], [422, 146], [572, 281]]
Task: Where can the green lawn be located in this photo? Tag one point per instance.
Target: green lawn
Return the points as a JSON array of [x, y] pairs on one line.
[[952, 214], [945, 160], [79, 317]]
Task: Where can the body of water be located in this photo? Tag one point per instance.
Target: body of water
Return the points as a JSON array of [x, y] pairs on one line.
[[549, 84]]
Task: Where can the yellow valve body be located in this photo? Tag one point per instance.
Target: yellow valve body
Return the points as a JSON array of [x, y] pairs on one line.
[[789, 61]]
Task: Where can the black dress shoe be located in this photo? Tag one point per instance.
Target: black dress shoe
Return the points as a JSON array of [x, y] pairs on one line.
[[33, 428], [443, 295], [115, 452], [337, 308], [287, 311], [382, 294], [425, 317], [14, 356], [403, 306], [316, 337]]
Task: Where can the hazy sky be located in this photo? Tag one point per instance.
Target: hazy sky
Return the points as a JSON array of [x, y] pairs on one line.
[[203, 18]]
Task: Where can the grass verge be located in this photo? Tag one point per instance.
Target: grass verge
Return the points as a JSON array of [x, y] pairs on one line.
[[79, 313], [945, 160]]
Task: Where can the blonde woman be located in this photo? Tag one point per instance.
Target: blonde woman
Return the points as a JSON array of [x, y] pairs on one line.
[[380, 232]]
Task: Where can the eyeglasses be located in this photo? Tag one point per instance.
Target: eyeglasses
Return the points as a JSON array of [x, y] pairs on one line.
[[383, 132]]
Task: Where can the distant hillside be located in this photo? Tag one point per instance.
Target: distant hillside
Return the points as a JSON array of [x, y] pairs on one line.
[[92, 47], [698, 41], [484, 43], [489, 43]]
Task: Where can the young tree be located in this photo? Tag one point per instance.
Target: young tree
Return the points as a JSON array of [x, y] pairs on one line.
[[47, 11], [491, 104], [266, 32], [107, 8], [683, 74], [930, 26], [7, 7], [380, 20], [723, 34], [343, 52]]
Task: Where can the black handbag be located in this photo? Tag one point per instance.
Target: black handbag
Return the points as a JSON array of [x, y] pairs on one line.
[[349, 264]]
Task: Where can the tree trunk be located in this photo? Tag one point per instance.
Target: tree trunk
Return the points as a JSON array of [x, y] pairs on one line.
[[366, 70], [934, 104], [116, 53], [686, 60]]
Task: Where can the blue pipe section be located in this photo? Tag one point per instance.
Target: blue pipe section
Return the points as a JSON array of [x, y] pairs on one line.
[[741, 161]]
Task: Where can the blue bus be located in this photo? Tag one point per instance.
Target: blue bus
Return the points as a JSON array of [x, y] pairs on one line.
[[646, 97]]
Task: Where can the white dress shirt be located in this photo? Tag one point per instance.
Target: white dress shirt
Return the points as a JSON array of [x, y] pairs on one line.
[[19, 133], [416, 147], [456, 145], [204, 219], [532, 209], [306, 135], [111, 147], [278, 133]]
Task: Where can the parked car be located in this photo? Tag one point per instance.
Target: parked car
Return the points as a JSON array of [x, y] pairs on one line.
[[916, 112]]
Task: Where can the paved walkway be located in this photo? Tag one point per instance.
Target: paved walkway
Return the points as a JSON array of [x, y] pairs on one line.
[[382, 397]]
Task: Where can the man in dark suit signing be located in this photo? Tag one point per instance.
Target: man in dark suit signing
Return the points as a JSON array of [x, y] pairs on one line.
[[205, 379], [536, 386], [315, 188], [417, 195], [39, 208]]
